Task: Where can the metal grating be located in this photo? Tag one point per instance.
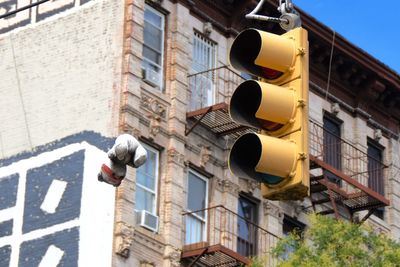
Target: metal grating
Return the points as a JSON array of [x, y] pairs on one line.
[[216, 255], [360, 178], [355, 202], [216, 118], [360, 198]]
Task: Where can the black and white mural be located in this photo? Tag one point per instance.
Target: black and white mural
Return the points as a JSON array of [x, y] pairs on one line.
[[33, 14], [53, 211]]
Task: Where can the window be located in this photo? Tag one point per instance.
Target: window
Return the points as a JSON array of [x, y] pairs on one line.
[[247, 227], [291, 225], [375, 172], [146, 182], [153, 46], [201, 83], [196, 201], [332, 147]]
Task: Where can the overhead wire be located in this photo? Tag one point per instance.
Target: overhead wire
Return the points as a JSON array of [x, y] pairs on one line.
[[330, 64], [17, 73], [20, 93]]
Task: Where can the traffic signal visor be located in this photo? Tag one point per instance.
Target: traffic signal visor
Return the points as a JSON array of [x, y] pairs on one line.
[[264, 54]]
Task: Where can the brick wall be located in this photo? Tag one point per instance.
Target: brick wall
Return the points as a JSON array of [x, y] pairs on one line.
[[179, 152], [61, 76]]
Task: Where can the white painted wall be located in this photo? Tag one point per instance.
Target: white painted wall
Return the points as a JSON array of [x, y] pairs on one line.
[[61, 76]]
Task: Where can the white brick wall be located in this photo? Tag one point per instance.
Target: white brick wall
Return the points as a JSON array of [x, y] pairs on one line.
[[68, 68]]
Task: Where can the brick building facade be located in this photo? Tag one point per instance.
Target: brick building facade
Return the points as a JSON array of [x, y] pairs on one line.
[[79, 73]]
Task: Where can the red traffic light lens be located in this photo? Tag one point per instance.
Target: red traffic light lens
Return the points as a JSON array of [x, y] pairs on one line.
[[271, 126], [271, 74]]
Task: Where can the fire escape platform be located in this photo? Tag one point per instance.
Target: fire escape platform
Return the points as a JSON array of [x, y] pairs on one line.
[[216, 118], [363, 198], [202, 254]]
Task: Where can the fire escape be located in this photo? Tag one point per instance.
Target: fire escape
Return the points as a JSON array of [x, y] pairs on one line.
[[343, 179], [225, 239], [343, 190]]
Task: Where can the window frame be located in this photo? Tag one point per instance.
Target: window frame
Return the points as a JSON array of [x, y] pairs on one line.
[[202, 177], [162, 28], [291, 224], [156, 180], [334, 160], [253, 242], [208, 43], [294, 225], [205, 44], [202, 220], [372, 144]]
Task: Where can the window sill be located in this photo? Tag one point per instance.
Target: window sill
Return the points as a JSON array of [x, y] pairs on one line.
[[148, 234]]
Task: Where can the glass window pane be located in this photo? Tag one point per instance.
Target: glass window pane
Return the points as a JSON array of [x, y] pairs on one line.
[[150, 165], [194, 230], [140, 199], [152, 36], [203, 54], [146, 180], [290, 225], [243, 226], [149, 203], [151, 55], [151, 182], [140, 177], [196, 194], [144, 200], [247, 232], [332, 148], [152, 17], [203, 59], [146, 174]]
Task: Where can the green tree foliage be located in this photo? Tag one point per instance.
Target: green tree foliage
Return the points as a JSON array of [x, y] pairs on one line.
[[330, 243]]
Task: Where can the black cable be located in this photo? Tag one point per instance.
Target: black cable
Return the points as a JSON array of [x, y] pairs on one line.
[[23, 8]]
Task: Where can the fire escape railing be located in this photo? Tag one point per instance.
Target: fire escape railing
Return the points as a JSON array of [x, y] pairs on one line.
[[211, 87], [209, 94], [346, 174], [228, 230], [348, 159]]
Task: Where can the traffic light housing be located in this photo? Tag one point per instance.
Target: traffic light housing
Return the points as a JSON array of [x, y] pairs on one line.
[[276, 103]]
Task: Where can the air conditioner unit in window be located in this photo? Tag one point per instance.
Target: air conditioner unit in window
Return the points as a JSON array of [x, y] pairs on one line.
[[147, 220], [152, 77]]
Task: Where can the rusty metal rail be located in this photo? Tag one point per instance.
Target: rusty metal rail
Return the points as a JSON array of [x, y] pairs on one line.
[[348, 159], [346, 174], [219, 226], [211, 87]]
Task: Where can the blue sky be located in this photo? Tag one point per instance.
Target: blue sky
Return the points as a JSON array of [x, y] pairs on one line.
[[373, 26]]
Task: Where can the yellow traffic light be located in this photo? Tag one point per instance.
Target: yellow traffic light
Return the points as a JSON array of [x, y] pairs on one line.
[[276, 104]]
